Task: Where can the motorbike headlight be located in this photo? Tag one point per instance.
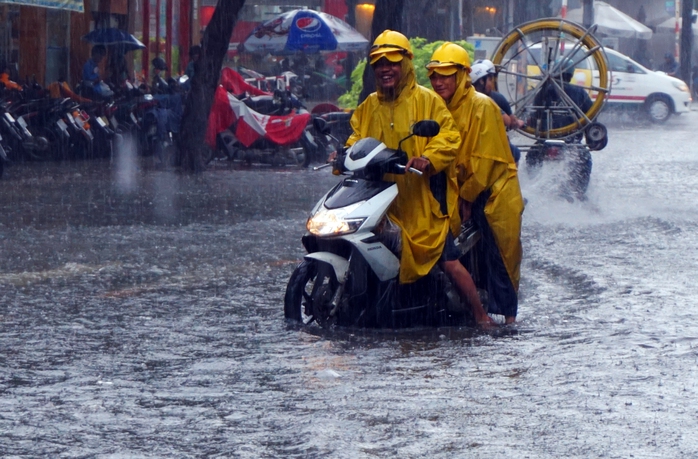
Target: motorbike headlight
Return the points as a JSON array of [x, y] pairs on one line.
[[332, 222], [680, 85]]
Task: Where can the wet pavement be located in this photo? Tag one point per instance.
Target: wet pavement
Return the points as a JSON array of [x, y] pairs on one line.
[[141, 316]]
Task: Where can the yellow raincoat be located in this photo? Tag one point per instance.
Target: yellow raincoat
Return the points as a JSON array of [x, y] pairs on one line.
[[415, 210], [485, 163]]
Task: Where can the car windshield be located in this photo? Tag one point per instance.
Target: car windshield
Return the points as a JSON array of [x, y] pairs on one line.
[[620, 64]]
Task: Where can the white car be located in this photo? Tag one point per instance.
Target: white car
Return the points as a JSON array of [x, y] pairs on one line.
[[657, 93]]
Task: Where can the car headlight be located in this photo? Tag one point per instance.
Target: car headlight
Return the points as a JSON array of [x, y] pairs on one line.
[[680, 85], [332, 222]]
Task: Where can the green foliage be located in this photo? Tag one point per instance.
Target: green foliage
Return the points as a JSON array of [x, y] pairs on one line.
[[350, 99], [422, 55]]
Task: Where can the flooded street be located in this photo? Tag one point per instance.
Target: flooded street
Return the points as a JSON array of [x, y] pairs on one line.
[[141, 315]]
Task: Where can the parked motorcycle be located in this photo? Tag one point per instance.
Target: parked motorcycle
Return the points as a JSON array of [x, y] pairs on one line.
[[337, 124], [267, 151], [276, 117], [316, 146], [45, 121], [246, 135], [349, 277], [3, 157], [15, 130]]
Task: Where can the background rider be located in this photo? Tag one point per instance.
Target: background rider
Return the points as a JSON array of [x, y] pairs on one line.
[[487, 176]]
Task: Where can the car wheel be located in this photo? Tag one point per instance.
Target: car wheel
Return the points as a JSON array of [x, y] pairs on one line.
[[658, 109]]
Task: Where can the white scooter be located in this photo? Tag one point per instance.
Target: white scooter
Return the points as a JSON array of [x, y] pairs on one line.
[[349, 277]]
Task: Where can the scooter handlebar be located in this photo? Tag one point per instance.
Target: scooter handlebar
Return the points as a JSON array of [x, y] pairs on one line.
[[402, 168], [324, 166]]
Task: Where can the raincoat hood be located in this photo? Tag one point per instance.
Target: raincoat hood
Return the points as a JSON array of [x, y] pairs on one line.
[[463, 82]]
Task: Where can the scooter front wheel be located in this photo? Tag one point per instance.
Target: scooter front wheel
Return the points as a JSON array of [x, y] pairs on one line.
[[309, 294]]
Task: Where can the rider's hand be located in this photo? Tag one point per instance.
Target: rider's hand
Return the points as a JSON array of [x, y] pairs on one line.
[[336, 158], [422, 164]]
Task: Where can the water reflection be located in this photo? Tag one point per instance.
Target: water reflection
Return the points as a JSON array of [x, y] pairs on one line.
[[143, 318]]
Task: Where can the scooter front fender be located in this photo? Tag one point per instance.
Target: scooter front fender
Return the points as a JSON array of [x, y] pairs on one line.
[[339, 264]]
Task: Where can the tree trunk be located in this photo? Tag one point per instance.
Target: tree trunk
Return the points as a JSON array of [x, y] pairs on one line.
[[388, 15], [206, 75], [686, 41]]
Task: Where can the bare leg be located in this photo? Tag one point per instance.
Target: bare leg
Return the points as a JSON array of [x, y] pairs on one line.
[[468, 292]]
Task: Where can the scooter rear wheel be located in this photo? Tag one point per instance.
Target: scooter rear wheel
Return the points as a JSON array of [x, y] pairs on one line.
[[46, 146]]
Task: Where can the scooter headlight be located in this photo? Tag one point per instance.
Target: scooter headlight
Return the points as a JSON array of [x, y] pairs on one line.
[[332, 222]]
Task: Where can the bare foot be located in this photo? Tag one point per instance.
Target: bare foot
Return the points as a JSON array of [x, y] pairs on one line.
[[486, 323], [508, 320]]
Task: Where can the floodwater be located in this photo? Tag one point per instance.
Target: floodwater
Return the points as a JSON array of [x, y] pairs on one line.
[[141, 316]]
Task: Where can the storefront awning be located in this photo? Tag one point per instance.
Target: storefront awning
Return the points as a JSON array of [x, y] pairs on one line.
[[72, 5]]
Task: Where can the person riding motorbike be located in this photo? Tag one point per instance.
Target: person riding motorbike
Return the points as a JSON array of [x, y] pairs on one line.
[[487, 176], [549, 97], [558, 104], [483, 75], [425, 204]]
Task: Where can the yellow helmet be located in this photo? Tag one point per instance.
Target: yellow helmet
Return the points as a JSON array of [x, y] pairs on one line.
[[391, 45], [448, 58]]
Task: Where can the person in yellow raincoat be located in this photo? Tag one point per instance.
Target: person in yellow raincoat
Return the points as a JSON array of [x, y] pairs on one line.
[[423, 215], [487, 176]]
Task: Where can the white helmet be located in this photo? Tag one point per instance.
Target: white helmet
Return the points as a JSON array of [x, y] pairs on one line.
[[481, 68]]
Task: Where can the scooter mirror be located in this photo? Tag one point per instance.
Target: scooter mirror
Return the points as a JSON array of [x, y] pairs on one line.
[[320, 125], [426, 128]]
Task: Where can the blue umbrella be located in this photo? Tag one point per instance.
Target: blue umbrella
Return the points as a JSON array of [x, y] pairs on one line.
[[114, 37], [304, 30]]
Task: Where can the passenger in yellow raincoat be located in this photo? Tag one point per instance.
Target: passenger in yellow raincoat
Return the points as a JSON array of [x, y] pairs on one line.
[[388, 115], [487, 175]]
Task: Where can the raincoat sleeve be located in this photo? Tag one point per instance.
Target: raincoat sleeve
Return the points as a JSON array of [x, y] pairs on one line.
[[359, 121], [442, 149], [490, 155]]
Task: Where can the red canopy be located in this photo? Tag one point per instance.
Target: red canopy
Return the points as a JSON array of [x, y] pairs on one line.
[[249, 126], [235, 83]]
